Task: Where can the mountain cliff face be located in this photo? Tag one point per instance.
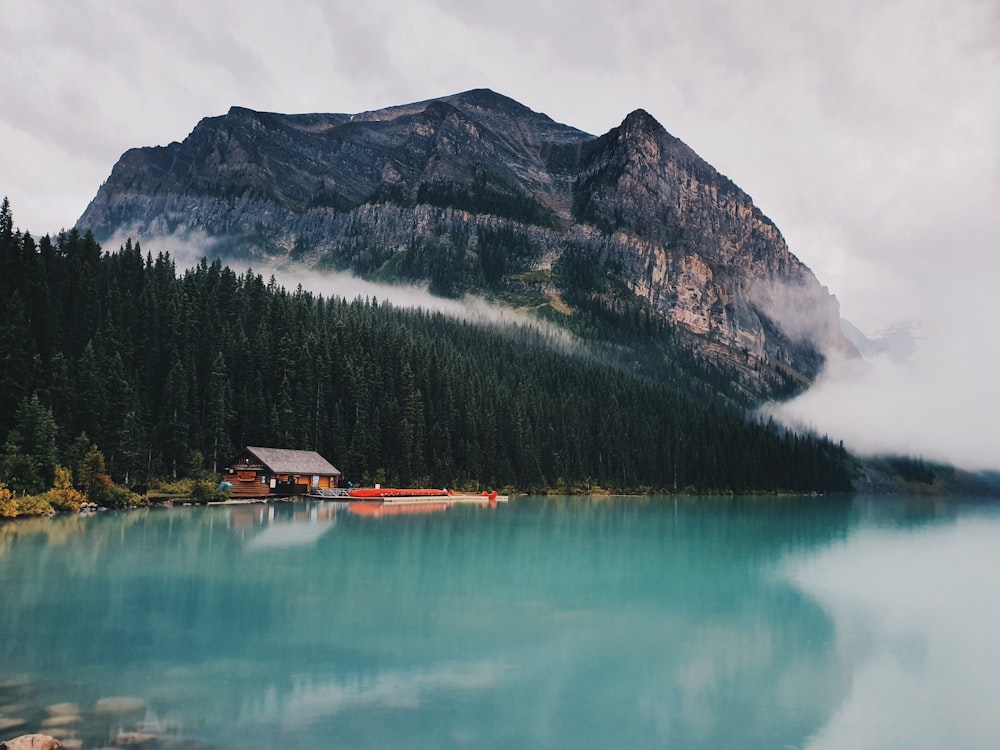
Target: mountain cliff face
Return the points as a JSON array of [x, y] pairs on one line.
[[475, 192]]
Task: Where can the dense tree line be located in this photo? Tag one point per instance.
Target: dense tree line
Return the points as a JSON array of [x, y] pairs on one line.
[[169, 371]]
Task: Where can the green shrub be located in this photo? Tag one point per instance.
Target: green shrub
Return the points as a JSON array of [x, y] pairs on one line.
[[204, 491], [119, 498], [174, 488]]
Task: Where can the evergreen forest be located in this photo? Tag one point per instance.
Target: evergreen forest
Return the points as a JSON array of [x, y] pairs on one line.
[[168, 372]]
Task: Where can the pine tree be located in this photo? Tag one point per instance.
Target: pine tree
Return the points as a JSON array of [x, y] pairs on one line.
[[29, 459], [175, 420], [219, 412]]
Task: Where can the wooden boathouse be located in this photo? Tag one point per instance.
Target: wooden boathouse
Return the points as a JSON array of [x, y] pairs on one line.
[[278, 472]]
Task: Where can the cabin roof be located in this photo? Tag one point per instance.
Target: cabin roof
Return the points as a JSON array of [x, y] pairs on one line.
[[287, 461]]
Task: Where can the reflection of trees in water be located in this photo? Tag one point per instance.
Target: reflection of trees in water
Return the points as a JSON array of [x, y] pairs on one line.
[[908, 511], [57, 530]]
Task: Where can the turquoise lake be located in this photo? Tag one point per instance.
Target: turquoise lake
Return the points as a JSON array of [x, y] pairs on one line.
[[744, 623]]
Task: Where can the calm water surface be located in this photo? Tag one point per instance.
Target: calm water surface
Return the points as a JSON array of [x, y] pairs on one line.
[[547, 623]]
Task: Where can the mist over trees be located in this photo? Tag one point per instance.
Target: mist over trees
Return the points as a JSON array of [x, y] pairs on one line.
[[171, 373]]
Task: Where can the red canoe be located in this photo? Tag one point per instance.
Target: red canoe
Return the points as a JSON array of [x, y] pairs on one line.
[[375, 493]]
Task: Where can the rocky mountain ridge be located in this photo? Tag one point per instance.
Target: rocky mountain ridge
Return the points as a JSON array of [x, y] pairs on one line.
[[476, 192]]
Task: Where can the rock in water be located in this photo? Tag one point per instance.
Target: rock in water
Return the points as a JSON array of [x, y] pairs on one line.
[[32, 742]]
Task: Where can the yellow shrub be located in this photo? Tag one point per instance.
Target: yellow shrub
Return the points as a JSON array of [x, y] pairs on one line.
[[63, 496], [8, 505]]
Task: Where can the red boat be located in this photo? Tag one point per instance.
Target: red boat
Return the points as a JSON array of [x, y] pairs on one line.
[[375, 493]]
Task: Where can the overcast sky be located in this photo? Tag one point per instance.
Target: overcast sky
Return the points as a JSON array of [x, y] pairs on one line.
[[868, 130]]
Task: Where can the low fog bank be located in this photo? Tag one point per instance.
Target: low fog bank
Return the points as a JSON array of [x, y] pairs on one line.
[[469, 308], [188, 248], [937, 401]]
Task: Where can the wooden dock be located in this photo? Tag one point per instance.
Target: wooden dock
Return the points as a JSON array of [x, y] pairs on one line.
[[394, 500], [408, 505]]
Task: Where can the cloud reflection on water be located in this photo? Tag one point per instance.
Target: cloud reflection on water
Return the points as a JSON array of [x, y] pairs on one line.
[[311, 699], [916, 617], [302, 526]]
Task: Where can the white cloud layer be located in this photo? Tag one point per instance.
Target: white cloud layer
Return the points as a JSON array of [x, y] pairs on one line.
[[868, 131], [936, 405], [187, 249]]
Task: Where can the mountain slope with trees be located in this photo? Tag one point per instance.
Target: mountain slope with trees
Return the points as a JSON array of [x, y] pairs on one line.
[[169, 373], [476, 192]]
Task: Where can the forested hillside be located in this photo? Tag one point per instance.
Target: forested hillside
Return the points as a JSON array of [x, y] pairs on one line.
[[475, 192], [168, 373]]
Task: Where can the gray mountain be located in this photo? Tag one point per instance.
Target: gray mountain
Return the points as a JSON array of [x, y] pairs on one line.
[[898, 342], [476, 192]]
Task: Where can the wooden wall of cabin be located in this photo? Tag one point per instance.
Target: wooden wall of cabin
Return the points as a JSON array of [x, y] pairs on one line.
[[249, 484], [247, 487]]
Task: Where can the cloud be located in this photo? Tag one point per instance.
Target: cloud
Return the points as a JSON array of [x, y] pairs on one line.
[[940, 403], [869, 132], [857, 127], [803, 310], [937, 404]]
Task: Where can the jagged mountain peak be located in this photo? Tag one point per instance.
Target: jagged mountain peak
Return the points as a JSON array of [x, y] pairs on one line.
[[640, 130], [641, 120], [491, 100], [237, 111]]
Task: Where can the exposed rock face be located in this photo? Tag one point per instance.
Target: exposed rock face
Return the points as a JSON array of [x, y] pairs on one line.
[[260, 176], [474, 191]]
